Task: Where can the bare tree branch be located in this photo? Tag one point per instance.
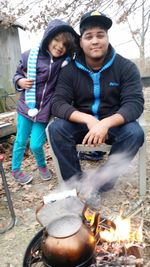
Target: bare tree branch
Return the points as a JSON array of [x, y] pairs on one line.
[[37, 13]]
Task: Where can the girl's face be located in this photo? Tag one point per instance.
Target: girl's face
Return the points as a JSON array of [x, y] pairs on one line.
[[57, 46]]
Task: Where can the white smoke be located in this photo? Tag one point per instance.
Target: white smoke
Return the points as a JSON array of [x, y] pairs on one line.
[[87, 189], [93, 180]]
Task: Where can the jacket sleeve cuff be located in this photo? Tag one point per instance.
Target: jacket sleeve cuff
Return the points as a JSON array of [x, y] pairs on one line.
[[18, 88]]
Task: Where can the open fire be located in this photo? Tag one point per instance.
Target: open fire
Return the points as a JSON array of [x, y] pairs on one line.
[[118, 241], [118, 231]]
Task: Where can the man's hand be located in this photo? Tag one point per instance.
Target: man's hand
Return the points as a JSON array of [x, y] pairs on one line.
[[98, 129], [97, 134], [25, 83]]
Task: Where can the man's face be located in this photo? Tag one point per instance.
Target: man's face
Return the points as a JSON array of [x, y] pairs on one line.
[[94, 43]]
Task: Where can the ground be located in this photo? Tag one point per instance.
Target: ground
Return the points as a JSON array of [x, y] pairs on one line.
[[26, 199]]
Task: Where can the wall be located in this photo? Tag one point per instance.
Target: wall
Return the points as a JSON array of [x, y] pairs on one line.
[[10, 52]]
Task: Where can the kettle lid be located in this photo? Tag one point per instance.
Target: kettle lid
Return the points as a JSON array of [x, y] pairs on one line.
[[64, 226]]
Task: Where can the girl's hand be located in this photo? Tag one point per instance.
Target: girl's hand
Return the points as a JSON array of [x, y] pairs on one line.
[[25, 83]]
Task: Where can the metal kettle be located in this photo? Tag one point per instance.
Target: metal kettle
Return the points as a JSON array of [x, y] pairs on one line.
[[68, 241]]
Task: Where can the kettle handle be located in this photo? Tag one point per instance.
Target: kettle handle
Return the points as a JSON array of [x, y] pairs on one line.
[[95, 226], [37, 210]]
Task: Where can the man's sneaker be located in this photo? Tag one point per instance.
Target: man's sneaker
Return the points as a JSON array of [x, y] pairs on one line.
[[21, 177], [91, 155], [45, 173], [108, 186]]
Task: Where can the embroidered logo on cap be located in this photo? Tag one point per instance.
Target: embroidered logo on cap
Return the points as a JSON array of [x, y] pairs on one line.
[[95, 13]]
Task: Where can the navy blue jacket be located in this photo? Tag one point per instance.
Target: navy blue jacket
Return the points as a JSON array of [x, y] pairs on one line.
[[115, 88]]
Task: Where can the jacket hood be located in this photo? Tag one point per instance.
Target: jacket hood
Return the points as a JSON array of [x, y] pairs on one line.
[[54, 27]]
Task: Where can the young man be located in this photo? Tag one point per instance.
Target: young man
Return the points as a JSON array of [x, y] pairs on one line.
[[98, 99]]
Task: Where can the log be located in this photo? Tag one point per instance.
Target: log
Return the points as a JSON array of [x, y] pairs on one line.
[[122, 261], [7, 129], [7, 115], [7, 123]]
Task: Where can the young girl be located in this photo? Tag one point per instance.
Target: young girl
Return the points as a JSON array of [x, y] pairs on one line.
[[35, 78]]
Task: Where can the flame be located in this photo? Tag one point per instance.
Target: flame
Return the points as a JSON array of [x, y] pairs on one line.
[[122, 229], [90, 216], [123, 232], [137, 234]]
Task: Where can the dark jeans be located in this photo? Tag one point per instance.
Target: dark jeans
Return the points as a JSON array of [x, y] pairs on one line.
[[64, 136]]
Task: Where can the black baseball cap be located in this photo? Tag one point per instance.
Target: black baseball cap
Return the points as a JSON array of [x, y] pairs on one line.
[[95, 16]]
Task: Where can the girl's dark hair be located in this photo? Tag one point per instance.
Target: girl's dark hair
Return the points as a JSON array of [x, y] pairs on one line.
[[90, 25], [71, 43]]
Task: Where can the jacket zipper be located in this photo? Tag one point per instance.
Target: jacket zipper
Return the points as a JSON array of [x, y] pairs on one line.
[[49, 74]]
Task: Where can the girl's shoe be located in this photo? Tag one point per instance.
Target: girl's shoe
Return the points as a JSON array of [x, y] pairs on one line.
[[45, 173], [21, 177]]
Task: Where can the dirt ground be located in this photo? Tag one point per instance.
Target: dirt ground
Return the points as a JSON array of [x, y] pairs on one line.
[[26, 199]]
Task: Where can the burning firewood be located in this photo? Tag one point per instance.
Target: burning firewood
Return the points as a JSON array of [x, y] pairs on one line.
[[134, 208]]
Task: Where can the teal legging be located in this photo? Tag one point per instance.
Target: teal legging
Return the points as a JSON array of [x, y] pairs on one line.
[[36, 132]]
